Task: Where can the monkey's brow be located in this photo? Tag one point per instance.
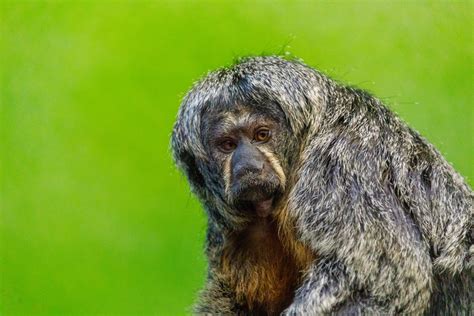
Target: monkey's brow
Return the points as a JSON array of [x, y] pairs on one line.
[[231, 121]]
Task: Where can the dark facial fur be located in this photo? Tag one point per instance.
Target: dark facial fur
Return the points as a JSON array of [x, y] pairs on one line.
[[243, 147], [369, 211]]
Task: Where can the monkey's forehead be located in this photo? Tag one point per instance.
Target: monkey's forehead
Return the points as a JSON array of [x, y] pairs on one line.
[[242, 115], [226, 122]]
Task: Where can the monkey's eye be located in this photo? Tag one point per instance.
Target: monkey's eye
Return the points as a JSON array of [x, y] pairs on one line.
[[227, 145], [262, 135]]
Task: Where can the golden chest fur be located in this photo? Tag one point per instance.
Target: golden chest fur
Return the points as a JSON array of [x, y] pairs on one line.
[[264, 264]]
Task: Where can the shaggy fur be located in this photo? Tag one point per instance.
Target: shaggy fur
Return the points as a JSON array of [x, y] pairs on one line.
[[373, 219]]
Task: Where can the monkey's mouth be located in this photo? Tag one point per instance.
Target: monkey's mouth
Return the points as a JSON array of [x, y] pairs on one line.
[[261, 208], [258, 201], [256, 196]]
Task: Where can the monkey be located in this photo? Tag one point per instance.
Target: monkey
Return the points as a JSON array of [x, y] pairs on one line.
[[319, 199]]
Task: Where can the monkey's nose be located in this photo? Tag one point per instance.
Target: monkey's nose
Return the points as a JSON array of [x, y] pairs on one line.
[[247, 160], [248, 167]]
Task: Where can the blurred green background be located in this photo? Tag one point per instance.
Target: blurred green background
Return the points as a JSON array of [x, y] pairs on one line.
[[94, 216]]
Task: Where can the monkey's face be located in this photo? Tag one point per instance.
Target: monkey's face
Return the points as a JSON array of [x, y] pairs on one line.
[[244, 149]]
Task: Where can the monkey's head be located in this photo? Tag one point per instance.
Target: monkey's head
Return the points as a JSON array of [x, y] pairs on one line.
[[239, 132]]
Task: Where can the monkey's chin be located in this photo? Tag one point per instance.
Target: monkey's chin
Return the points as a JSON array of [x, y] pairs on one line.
[[263, 208]]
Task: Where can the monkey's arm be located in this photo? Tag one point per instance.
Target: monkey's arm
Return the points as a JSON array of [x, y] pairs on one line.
[[327, 289], [373, 257], [365, 283], [326, 285]]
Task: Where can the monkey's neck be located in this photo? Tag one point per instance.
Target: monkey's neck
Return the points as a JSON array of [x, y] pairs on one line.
[[262, 268], [259, 270]]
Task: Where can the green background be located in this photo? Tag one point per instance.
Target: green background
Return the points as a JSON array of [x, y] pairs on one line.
[[94, 216]]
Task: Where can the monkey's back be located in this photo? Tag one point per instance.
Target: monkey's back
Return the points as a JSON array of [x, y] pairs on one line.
[[364, 169]]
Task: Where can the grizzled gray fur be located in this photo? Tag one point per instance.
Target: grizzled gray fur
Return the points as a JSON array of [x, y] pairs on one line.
[[388, 220]]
